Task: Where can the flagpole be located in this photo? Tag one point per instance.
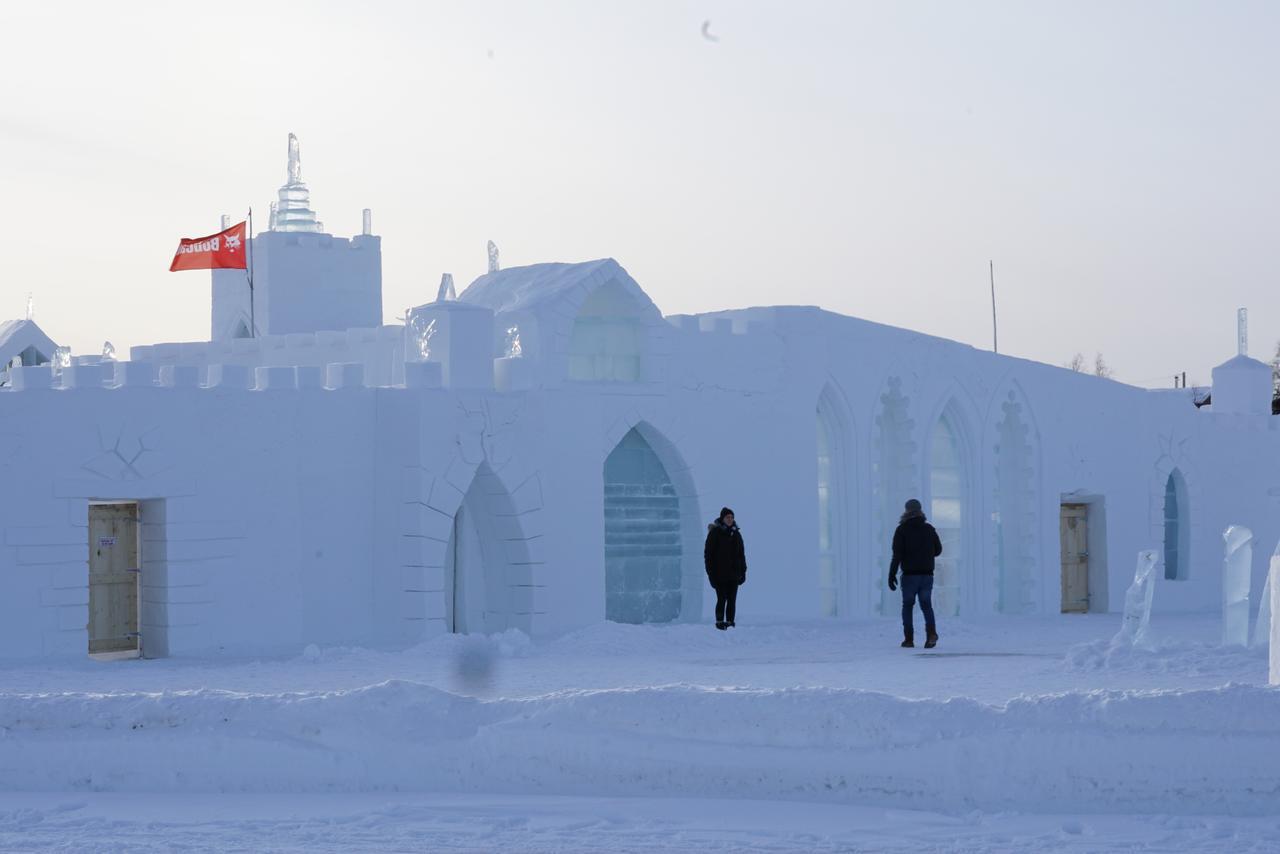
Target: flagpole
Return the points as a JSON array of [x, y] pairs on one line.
[[253, 323]]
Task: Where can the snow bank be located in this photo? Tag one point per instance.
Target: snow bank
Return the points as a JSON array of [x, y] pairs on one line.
[[1212, 751]]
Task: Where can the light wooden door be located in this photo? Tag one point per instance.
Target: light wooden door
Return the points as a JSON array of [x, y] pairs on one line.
[[1075, 558], [113, 577]]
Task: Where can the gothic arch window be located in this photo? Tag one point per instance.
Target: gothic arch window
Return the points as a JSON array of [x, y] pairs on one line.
[[607, 339], [643, 548], [948, 493], [1176, 530]]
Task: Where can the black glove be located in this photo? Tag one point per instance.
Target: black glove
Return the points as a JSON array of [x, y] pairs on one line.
[[743, 579], [893, 582]]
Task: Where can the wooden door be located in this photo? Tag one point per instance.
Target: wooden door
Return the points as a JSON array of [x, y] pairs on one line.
[[113, 577], [1075, 558]]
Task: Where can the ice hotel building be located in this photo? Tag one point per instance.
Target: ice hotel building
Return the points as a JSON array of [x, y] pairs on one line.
[[545, 450]]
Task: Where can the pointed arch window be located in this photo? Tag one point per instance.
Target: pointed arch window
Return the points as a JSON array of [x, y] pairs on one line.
[[1176, 534]]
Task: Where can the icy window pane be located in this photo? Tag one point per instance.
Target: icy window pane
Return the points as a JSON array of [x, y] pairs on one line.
[[642, 544]]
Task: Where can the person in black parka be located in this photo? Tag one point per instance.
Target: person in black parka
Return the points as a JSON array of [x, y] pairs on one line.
[[915, 545], [726, 562]]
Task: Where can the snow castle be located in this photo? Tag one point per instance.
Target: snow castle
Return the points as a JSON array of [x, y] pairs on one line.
[[545, 450]]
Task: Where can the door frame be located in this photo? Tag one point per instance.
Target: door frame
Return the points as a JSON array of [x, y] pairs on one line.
[[1096, 530], [137, 652]]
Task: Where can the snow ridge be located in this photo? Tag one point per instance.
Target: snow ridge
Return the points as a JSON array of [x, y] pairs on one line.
[[1207, 751]]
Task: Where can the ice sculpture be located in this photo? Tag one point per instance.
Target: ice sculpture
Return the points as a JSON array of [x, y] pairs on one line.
[[514, 350], [419, 331], [293, 211], [1237, 565], [61, 358], [493, 257], [30, 305], [446, 292], [1137, 603], [108, 351]]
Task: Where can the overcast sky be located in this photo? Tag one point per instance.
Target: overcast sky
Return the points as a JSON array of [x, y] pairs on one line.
[[1117, 160]]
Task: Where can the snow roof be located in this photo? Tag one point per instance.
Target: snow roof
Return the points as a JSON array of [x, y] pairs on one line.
[[17, 335], [1243, 363], [549, 286]]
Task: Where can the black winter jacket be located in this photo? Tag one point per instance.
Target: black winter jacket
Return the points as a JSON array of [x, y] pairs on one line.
[[915, 545], [724, 555]]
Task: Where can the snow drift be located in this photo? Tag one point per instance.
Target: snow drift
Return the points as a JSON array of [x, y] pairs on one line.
[[1209, 751]]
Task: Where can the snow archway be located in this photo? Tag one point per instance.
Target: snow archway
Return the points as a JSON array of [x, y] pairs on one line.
[[895, 479], [644, 536], [950, 508], [1015, 501], [834, 457]]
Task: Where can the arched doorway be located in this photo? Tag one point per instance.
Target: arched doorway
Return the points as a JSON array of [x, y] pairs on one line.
[[834, 517], [642, 536], [948, 484], [478, 575]]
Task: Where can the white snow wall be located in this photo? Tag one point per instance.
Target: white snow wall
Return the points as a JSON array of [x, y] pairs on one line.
[[279, 517]]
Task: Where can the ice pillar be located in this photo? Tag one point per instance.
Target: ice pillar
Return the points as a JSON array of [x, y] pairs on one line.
[[1137, 602], [1262, 630], [1274, 584], [1237, 565]]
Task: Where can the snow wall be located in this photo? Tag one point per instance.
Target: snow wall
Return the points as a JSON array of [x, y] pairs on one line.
[[305, 488]]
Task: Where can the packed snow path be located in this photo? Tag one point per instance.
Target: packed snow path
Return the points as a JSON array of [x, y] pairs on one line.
[[1031, 716]]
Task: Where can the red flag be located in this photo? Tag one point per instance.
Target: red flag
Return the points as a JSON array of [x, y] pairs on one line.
[[222, 251]]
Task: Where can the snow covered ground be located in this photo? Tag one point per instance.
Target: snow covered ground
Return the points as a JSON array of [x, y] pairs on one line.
[[1015, 734]]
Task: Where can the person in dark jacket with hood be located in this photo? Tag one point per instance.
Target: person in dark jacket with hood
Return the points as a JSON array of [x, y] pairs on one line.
[[726, 562], [915, 545]]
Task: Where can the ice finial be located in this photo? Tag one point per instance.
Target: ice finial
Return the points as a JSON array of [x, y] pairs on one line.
[[446, 292], [108, 351], [514, 350], [1242, 331], [293, 211], [420, 331], [295, 161], [493, 257], [366, 217], [30, 305]]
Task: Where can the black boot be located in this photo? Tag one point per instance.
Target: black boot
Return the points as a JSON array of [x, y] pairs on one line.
[[722, 626], [931, 637], [908, 642]]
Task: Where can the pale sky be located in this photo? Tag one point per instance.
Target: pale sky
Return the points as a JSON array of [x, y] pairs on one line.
[[1117, 160]]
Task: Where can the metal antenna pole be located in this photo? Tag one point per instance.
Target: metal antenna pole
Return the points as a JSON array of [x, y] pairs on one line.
[[995, 341], [253, 321]]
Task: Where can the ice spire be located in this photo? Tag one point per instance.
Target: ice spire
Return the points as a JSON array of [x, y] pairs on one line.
[[446, 292], [493, 257], [293, 211], [1242, 331], [30, 304]]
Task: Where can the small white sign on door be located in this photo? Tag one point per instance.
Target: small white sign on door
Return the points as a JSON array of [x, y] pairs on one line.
[[106, 541]]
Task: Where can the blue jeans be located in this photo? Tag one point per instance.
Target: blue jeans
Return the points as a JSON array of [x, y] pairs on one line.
[[913, 586]]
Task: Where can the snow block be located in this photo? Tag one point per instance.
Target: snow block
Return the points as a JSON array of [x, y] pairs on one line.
[[423, 374], [32, 377], [83, 376], [514, 373], [134, 374], [344, 375]]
